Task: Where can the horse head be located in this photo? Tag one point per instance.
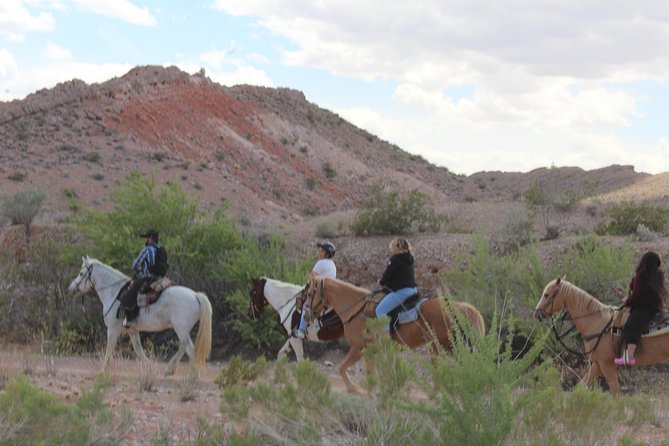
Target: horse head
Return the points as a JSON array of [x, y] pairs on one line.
[[314, 295], [258, 300], [550, 302], [82, 282]]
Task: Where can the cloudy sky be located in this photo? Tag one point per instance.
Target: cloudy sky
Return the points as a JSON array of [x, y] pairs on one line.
[[471, 85]]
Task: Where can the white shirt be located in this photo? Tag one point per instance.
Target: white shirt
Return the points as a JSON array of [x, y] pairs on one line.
[[326, 267]]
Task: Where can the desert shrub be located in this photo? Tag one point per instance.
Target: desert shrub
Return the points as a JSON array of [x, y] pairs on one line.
[[644, 234], [625, 218], [22, 207], [31, 416], [482, 276], [239, 371], [388, 212], [17, 176], [311, 183], [501, 388], [79, 335], [97, 176], [514, 234], [547, 199], [329, 170], [35, 304], [327, 229], [92, 157]]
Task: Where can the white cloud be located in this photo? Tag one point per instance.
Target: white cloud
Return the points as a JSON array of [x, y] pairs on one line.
[[21, 83], [16, 20], [57, 53], [231, 74], [544, 74], [120, 9], [8, 65]]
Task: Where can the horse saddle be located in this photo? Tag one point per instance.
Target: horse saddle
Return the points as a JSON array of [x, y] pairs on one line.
[[329, 326], [658, 325], [405, 312], [154, 291]]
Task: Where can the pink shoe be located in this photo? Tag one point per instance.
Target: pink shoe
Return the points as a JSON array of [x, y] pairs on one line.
[[621, 361]]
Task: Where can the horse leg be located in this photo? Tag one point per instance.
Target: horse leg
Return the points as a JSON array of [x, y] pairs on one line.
[[185, 347], [284, 350], [298, 348], [351, 358], [113, 332], [611, 374], [137, 345], [592, 374]]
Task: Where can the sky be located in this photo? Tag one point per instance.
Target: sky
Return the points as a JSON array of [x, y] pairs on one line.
[[471, 85]]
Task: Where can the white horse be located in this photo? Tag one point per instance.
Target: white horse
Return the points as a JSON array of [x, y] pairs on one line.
[[179, 308], [282, 296]]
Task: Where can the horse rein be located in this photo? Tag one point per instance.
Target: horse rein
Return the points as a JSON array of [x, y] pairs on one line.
[[586, 338], [322, 300], [89, 272]]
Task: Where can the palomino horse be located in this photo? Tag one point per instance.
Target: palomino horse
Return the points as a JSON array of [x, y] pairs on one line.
[[179, 308], [593, 320], [282, 296], [349, 302]]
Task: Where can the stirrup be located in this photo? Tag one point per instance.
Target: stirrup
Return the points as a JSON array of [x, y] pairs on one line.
[[128, 324]]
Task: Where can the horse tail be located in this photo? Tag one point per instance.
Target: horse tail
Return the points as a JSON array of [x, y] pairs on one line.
[[203, 340], [474, 317]]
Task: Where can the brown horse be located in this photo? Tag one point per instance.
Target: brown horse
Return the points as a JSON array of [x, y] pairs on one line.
[[593, 320], [349, 302]]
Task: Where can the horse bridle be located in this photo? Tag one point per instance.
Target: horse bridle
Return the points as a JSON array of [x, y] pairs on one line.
[[559, 337], [89, 271], [551, 301]]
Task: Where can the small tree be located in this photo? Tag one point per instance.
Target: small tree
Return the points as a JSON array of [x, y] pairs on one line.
[[548, 200], [388, 212], [22, 207]]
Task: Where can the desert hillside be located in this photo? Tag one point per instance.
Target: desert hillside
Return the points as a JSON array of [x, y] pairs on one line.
[[269, 154]]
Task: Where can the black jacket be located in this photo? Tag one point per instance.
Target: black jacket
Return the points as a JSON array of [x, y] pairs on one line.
[[399, 273]]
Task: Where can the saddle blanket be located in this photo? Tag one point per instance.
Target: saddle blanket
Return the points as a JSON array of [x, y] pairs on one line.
[[409, 315]]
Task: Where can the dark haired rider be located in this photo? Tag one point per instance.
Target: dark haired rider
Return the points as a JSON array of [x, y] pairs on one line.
[[141, 267]]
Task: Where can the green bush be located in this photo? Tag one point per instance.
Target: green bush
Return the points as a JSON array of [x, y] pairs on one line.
[[22, 207], [388, 211], [34, 303], [625, 218], [207, 253], [79, 335], [484, 275], [241, 372], [31, 416]]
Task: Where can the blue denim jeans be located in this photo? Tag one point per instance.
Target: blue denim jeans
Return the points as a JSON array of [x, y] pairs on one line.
[[394, 299], [302, 326]]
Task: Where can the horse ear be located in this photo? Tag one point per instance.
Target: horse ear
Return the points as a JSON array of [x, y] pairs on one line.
[[558, 280]]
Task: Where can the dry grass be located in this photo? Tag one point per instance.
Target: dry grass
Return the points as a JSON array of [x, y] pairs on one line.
[[651, 188]]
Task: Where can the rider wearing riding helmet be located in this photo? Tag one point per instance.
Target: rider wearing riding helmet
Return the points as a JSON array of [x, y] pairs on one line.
[[324, 266]]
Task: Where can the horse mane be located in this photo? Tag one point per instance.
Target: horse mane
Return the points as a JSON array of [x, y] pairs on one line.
[[348, 285], [107, 267], [280, 284], [584, 301]]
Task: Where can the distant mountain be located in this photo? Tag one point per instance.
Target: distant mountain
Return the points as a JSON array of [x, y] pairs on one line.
[[270, 154]]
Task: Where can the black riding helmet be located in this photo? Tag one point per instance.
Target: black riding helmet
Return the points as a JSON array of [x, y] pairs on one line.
[[328, 247]]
